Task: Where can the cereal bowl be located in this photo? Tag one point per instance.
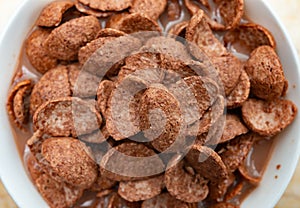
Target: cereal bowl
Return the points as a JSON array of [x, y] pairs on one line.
[[286, 148]]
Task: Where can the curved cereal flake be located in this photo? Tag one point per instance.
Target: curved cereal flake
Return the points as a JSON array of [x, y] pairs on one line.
[[240, 93], [53, 84], [103, 183], [250, 36], [207, 163], [145, 65], [234, 127], [16, 103], [209, 118], [107, 60], [201, 93], [164, 200], [130, 161], [57, 194], [71, 160], [131, 23], [34, 169], [168, 47], [36, 52], [179, 29], [122, 120], [217, 190], [103, 93], [21, 104], [134, 191], [65, 117], [246, 173], [118, 201], [231, 13], [199, 33], [183, 185], [109, 32], [174, 10], [90, 11], [87, 51], [191, 6], [150, 8], [224, 205], [229, 69], [52, 14], [160, 118], [107, 5], [266, 73], [268, 118], [236, 150], [65, 41], [83, 84]]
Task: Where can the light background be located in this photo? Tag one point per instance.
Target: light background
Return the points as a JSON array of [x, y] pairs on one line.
[[288, 11]]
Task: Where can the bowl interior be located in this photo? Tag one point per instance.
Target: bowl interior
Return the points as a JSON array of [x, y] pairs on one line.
[[287, 145]]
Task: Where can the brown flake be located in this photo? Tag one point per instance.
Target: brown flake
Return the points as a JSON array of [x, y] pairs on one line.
[[199, 33], [240, 93], [103, 93], [107, 5], [109, 32], [71, 160], [231, 13], [160, 118], [266, 73], [97, 137], [200, 92], [229, 69], [234, 127], [268, 118], [130, 161], [17, 106], [207, 163], [90, 11], [218, 189], [53, 84], [65, 117], [184, 186], [103, 183], [236, 151], [52, 14], [118, 202], [150, 8], [164, 200], [36, 52], [223, 205], [132, 23], [250, 36], [122, 120], [65, 41], [179, 29], [83, 84], [168, 47], [87, 51], [57, 194], [142, 189]]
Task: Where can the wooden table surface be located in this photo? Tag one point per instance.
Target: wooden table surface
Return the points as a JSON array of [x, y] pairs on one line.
[[288, 11]]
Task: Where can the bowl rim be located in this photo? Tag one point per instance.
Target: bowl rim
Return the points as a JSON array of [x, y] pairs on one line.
[[13, 180]]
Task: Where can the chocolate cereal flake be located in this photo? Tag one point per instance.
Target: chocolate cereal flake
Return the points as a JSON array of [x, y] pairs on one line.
[[52, 14], [184, 186], [164, 200], [65, 41], [37, 53], [71, 160], [142, 189], [150, 8], [107, 5], [268, 118]]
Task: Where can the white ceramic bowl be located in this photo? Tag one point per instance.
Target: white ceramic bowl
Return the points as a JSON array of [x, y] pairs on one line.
[[287, 145]]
